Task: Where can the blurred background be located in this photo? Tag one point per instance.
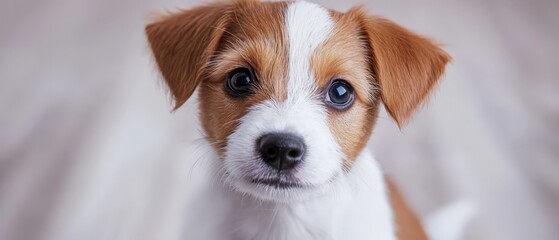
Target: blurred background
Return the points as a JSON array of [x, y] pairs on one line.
[[90, 150]]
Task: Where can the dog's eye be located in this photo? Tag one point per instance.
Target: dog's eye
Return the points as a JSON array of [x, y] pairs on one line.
[[239, 82], [339, 94]]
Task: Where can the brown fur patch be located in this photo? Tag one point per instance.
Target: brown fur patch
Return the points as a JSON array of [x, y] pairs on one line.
[[408, 226], [407, 66], [181, 44], [345, 55], [250, 43], [204, 44]]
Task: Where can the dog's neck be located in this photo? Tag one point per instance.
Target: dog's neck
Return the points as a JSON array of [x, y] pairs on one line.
[[356, 207]]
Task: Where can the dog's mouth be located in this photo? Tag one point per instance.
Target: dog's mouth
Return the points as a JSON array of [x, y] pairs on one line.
[[280, 188], [277, 183], [285, 184]]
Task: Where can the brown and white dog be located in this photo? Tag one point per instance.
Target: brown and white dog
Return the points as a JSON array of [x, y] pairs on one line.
[[289, 93]]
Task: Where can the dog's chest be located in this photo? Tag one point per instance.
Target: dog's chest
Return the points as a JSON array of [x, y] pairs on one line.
[[340, 217], [283, 222], [357, 208]]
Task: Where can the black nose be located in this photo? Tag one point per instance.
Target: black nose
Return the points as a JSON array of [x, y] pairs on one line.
[[281, 151]]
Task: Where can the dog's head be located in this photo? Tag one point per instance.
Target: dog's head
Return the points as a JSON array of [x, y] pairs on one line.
[[289, 91]]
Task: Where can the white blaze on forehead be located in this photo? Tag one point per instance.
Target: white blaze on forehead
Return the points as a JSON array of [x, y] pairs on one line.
[[307, 25]]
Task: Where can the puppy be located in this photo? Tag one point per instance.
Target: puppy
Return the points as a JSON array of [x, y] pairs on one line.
[[289, 93]]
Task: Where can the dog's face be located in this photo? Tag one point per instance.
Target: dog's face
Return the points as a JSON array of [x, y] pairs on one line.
[[289, 92]]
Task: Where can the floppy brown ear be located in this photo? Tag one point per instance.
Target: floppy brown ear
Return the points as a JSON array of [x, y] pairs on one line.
[[182, 44], [406, 66]]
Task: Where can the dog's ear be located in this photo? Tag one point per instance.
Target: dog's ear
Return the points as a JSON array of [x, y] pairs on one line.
[[406, 66], [182, 44]]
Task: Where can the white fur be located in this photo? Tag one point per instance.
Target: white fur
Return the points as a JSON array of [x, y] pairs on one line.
[[305, 118], [308, 26], [333, 204], [354, 207]]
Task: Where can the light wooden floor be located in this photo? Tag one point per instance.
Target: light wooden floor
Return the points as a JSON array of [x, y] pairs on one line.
[[89, 150]]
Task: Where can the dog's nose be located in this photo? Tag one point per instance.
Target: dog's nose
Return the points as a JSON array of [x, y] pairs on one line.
[[282, 151]]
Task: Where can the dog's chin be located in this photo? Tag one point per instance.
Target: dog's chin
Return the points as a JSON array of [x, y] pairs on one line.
[[281, 191]]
